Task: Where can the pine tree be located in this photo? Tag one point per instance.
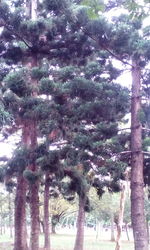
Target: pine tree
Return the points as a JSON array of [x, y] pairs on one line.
[[87, 123], [33, 33], [29, 36], [81, 105], [123, 40]]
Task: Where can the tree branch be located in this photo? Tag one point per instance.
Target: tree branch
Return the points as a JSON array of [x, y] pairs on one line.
[[15, 33], [117, 57], [146, 129], [130, 152], [110, 52]]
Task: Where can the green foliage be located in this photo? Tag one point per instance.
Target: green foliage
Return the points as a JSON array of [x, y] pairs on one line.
[[17, 82], [99, 28], [31, 176], [106, 130], [2, 173], [94, 8], [4, 10], [83, 105], [141, 116], [13, 55], [55, 5], [136, 9], [19, 161], [82, 141], [78, 184], [17, 17], [34, 108], [33, 29], [146, 143], [5, 116], [38, 73], [66, 73], [50, 161], [46, 86], [80, 87]]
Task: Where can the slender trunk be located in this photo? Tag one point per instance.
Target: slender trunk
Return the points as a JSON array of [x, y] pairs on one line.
[[137, 182], [31, 9], [10, 215], [147, 225], [42, 230], [120, 219], [34, 191], [46, 214], [112, 227], [34, 206], [28, 140], [53, 228], [1, 222], [127, 233], [4, 226], [20, 240], [98, 229], [20, 215], [80, 224]]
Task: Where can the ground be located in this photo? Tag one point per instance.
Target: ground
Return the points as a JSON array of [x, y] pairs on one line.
[[65, 238]]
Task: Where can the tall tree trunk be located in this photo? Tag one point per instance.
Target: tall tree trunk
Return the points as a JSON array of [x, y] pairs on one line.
[[10, 215], [137, 182], [147, 225], [98, 228], [53, 228], [20, 240], [80, 224], [34, 192], [20, 215], [31, 9], [120, 219], [112, 226], [127, 233], [34, 206], [46, 214], [1, 219]]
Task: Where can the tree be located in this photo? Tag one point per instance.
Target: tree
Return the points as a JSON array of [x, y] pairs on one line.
[[78, 98], [79, 151], [28, 40], [119, 40], [120, 217]]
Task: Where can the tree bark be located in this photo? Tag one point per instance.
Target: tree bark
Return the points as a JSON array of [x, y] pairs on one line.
[[46, 214], [127, 233], [112, 227], [31, 9], [53, 228], [80, 224], [20, 240], [34, 191], [147, 225], [120, 219], [20, 215], [137, 182], [10, 215], [34, 206]]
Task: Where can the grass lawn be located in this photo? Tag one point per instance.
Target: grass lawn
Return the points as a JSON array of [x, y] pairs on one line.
[[66, 242]]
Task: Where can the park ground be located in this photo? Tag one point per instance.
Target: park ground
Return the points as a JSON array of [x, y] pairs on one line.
[[64, 240]]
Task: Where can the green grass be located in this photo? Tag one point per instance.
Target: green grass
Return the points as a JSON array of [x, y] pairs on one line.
[[66, 242]]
